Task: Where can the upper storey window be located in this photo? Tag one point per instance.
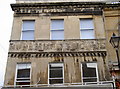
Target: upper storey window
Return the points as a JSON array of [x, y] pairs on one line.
[[57, 30], [28, 30], [87, 29]]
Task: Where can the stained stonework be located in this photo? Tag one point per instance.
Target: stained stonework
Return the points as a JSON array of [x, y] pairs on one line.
[[57, 46]]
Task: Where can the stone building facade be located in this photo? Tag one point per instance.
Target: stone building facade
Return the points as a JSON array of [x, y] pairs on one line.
[[61, 43]]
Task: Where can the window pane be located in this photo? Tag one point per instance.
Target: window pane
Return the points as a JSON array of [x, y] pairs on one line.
[[87, 29], [55, 73], [57, 34], [88, 72], [87, 34], [23, 73], [28, 25], [90, 80], [86, 24], [28, 35], [23, 79], [56, 81], [23, 83], [23, 66], [57, 24], [56, 65]]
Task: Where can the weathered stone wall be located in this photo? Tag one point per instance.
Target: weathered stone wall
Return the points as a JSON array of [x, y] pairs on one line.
[[71, 26], [39, 68], [112, 22], [71, 52], [58, 45], [71, 13]]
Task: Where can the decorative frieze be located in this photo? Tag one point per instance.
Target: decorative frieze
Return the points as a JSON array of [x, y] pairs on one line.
[[54, 8], [57, 45], [56, 54]]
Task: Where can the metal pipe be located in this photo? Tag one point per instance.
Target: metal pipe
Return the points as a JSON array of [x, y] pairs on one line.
[[117, 53]]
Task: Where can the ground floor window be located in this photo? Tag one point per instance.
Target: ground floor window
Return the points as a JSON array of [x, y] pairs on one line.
[[89, 72], [56, 74], [23, 74]]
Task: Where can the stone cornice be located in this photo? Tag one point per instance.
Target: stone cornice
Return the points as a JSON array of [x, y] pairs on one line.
[[61, 7]]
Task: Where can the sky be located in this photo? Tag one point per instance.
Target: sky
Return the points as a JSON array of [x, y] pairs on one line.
[[6, 19]]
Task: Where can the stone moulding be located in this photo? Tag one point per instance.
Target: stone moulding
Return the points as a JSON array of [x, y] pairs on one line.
[[56, 54], [61, 8], [57, 45]]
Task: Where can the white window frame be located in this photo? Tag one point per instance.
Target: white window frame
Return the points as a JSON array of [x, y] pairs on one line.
[[17, 68], [87, 28], [27, 30], [97, 76], [56, 29], [55, 78]]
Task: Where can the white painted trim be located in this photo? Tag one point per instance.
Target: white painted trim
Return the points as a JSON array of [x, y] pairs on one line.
[[97, 72], [48, 73], [15, 76], [81, 74], [30, 72]]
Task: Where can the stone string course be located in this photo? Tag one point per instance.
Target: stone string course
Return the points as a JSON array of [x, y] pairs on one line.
[[57, 46]]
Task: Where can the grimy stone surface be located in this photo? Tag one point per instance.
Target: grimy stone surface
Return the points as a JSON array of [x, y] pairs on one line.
[[57, 45]]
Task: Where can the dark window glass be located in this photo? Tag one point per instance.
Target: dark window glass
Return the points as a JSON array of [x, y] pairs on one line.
[[23, 79], [56, 81], [23, 83], [54, 73], [88, 72], [23, 73], [90, 80]]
